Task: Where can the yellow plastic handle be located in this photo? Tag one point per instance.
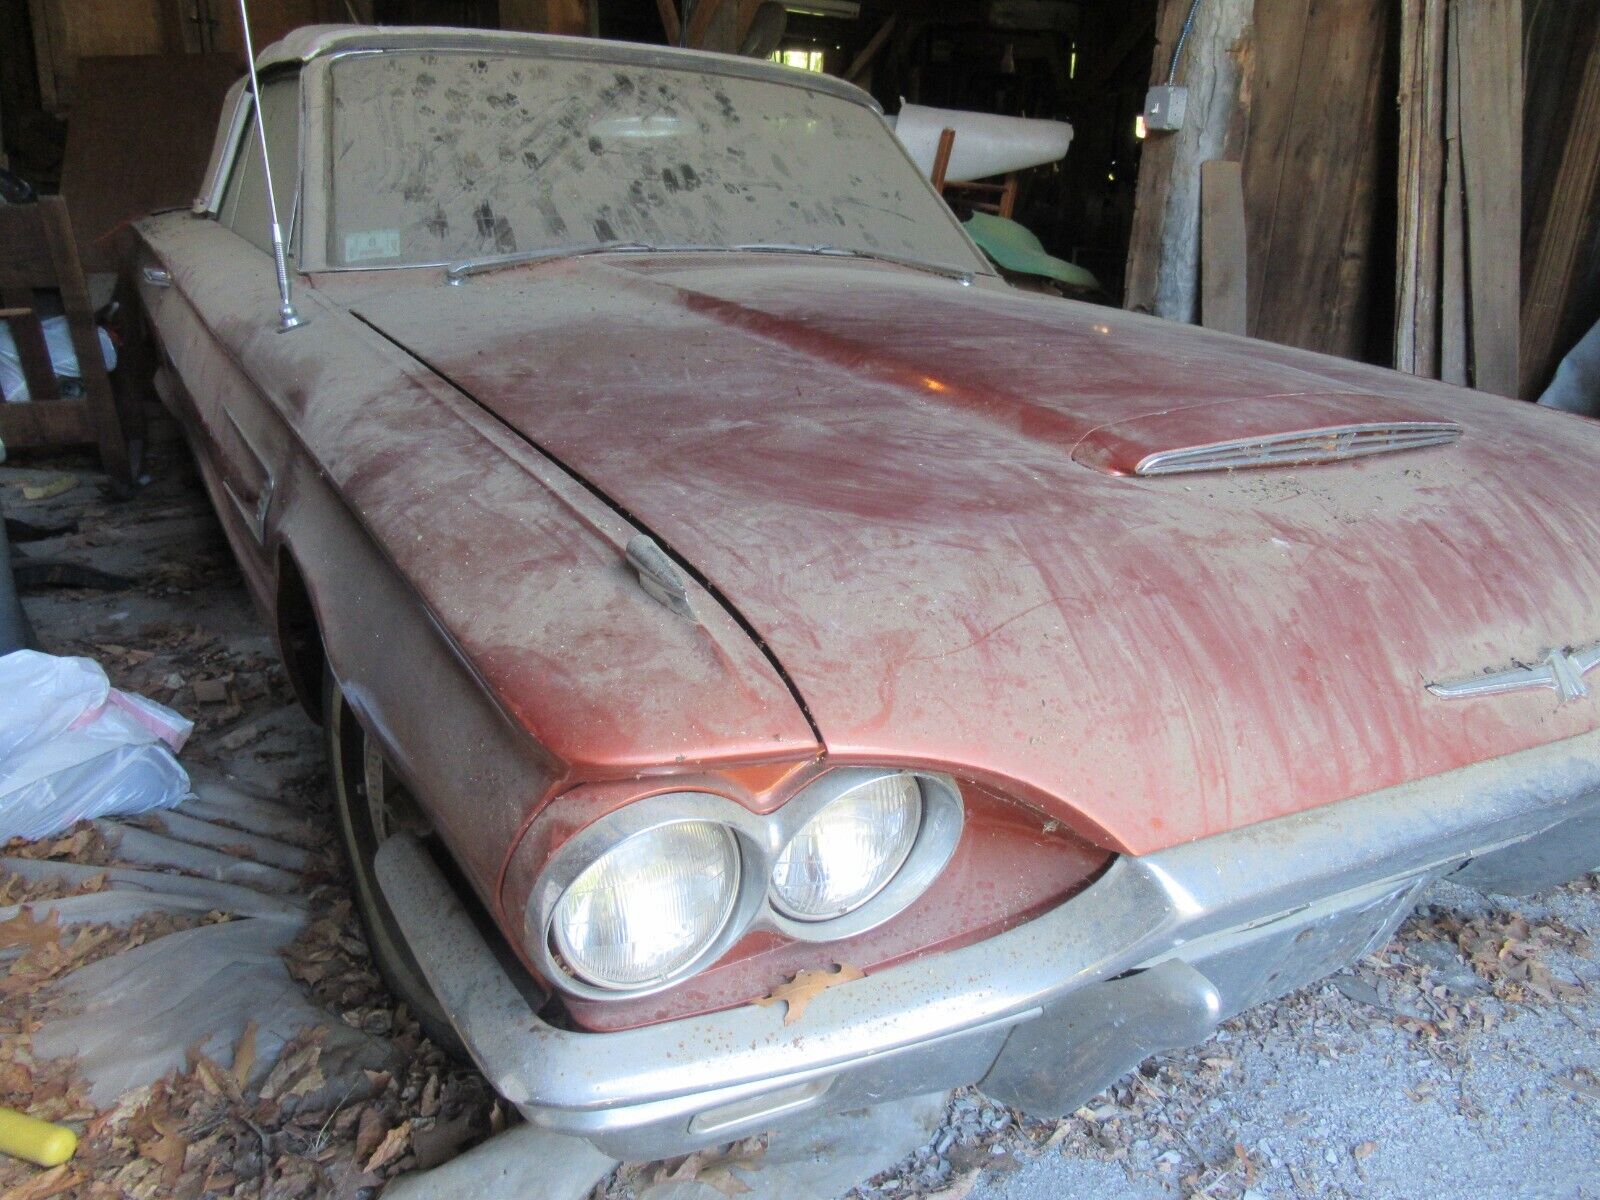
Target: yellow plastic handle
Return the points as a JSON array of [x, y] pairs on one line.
[[22, 1136]]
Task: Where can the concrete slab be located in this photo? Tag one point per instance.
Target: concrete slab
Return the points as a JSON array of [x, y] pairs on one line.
[[523, 1163]]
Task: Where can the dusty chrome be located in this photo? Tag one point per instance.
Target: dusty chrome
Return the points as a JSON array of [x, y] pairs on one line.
[[157, 276], [1332, 444], [288, 318], [1562, 671], [1241, 916], [760, 839], [460, 271], [659, 575], [467, 268]]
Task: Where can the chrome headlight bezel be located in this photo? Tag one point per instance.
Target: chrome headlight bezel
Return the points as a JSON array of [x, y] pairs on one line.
[[760, 838]]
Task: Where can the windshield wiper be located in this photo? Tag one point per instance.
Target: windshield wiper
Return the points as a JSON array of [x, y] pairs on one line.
[[494, 262]]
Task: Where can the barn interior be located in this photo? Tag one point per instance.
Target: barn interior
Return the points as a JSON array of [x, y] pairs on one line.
[[1408, 184]]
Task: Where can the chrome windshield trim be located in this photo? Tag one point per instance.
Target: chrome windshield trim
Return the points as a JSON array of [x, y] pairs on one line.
[[466, 268], [333, 42]]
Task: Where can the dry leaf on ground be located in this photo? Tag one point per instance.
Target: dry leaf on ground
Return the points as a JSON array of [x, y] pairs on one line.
[[23, 930], [394, 1144]]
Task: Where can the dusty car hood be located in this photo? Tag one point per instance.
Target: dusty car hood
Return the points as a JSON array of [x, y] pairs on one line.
[[877, 469]]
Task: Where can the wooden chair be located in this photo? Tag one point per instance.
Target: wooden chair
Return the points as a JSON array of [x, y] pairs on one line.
[[997, 198], [37, 253]]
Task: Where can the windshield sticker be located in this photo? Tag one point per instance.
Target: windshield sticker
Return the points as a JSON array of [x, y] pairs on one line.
[[371, 243]]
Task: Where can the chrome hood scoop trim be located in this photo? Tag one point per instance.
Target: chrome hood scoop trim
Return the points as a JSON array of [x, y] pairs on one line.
[[1287, 429], [1331, 444]]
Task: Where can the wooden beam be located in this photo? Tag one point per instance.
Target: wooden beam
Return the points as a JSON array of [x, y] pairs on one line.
[[1133, 32], [669, 20], [700, 18], [1163, 274], [1453, 340], [46, 423], [1421, 187], [870, 51], [570, 17], [1223, 247], [1490, 42], [1560, 255]]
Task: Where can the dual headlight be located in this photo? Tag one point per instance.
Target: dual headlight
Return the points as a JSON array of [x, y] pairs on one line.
[[647, 907]]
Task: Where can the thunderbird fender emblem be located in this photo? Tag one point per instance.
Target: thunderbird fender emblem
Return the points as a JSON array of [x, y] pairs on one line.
[[1562, 671]]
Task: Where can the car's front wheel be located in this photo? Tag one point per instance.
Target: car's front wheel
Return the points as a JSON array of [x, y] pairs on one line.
[[371, 805]]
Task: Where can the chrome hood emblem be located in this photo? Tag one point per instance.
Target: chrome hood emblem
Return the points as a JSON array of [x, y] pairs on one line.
[[1562, 671]]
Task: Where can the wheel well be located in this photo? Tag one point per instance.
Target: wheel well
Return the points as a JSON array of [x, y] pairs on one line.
[[299, 638]]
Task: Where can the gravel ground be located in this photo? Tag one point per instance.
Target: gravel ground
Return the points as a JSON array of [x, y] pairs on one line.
[[1462, 1061], [1424, 1071]]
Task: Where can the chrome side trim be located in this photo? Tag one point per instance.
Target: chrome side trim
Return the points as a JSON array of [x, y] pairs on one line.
[[1562, 672], [1332, 444]]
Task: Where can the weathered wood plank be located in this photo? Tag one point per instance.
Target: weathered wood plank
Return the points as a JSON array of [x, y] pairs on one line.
[[875, 43], [1421, 187], [1490, 41], [45, 423], [1280, 34], [1558, 255], [1313, 226], [1453, 342], [1223, 247]]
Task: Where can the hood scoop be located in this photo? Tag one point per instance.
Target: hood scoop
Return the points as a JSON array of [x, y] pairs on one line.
[[1269, 431], [1331, 444]]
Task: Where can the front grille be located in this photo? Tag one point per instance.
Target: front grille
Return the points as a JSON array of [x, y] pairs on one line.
[[1310, 446]]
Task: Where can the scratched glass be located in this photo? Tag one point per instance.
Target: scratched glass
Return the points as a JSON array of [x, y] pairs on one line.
[[442, 157]]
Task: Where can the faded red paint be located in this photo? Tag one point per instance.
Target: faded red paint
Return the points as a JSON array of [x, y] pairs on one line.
[[906, 489], [876, 469]]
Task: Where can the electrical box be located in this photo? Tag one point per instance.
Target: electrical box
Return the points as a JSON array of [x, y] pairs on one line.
[[1164, 107]]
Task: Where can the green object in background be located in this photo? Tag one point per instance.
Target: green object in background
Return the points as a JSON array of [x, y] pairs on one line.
[[1014, 247]]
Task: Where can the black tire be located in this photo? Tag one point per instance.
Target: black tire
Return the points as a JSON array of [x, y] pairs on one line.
[[358, 769]]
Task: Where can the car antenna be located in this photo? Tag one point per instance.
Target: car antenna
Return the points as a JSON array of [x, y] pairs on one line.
[[288, 318]]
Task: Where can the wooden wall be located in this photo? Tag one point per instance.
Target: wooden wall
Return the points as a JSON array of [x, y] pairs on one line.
[[65, 31], [1314, 148], [1560, 183], [1306, 107]]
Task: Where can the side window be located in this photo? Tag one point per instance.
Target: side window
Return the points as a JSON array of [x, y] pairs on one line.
[[244, 201]]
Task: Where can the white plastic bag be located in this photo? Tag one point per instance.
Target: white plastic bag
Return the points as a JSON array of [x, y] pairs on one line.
[[72, 746]]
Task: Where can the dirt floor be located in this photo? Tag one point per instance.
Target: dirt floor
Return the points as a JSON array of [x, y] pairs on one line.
[[1462, 1061]]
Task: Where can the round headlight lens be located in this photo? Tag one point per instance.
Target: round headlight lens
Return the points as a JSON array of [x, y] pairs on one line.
[[848, 852], [649, 906]]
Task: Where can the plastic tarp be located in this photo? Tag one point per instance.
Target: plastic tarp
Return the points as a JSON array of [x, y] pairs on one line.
[[63, 358], [74, 747]]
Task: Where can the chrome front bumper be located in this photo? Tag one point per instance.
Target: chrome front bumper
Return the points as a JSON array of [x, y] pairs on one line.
[[1151, 957]]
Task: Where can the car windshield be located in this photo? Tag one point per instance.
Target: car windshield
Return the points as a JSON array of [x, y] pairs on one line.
[[440, 157]]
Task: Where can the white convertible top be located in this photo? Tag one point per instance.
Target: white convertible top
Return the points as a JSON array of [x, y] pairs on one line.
[[316, 41]]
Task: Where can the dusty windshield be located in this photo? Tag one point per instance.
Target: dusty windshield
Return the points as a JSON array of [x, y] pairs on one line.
[[439, 157]]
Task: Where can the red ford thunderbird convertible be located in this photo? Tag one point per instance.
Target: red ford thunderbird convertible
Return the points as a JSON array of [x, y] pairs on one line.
[[707, 571]]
